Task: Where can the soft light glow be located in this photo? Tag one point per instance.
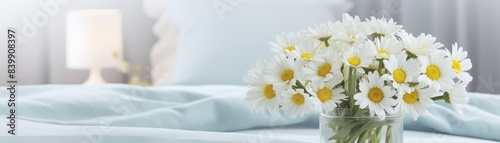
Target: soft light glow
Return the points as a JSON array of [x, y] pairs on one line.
[[92, 37]]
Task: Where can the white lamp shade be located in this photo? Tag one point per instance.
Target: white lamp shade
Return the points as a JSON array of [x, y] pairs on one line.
[[92, 36]]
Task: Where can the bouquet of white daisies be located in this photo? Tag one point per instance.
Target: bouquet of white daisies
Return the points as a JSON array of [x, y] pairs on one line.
[[371, 65]]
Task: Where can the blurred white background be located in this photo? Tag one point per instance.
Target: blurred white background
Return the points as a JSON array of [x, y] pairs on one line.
[[473, 24], [41, 59]]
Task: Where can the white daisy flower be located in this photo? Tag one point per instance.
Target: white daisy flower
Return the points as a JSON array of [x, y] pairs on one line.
[[327, 68], [286, 42], [386, 46], [437, 71], [382, 27], [401, 72], [255, 73], [306, 50], [282, 71], [325, 96], [459, 63], [415, 101], [375, 96], [358, 57], [323, 32], [356, 31], [421, 45], [457, 97], [265, 97], [296, 102], [263, 94]]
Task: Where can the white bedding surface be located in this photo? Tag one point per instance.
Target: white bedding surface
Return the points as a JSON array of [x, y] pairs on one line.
[[178, 114], [31, 132], [409, 136]]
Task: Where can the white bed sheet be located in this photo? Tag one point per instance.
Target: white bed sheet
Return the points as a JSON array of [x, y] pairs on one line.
[[266, 135], [31, 132]]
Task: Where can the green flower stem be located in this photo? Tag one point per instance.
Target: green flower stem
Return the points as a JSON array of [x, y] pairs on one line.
[[351, 131], [362, 138], [370, 135], [299, 85], [377, 134], [388, 138], [335, 131], [437, 98], [352, 86], [364, 126], [327, 44], [380, 66]]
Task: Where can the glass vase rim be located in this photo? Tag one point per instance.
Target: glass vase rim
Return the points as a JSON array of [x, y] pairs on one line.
[[388, 116]]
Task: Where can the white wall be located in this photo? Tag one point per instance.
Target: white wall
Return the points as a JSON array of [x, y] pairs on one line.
[[41, 58], [34, 53]]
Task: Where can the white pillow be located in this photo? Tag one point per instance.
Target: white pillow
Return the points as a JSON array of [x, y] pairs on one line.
[[220, 39]]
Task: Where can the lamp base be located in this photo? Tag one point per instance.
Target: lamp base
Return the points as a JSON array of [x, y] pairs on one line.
[[95, 77]]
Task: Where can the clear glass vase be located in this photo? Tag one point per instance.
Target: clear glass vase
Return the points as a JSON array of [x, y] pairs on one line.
[[345, 126]]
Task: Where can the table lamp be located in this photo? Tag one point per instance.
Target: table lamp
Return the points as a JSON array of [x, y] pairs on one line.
[[92, 37]]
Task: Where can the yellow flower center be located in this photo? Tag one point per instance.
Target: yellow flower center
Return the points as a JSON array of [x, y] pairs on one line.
[[287, 75], [353, 38], [324, 94], [324, 69], [382, 52], [269, 92], [456, 65], [307, 56], [375, 95], [289, 48], [354, 61], [422, 47], [298, 99], [411, 98], [399, 76], [433, 72]]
